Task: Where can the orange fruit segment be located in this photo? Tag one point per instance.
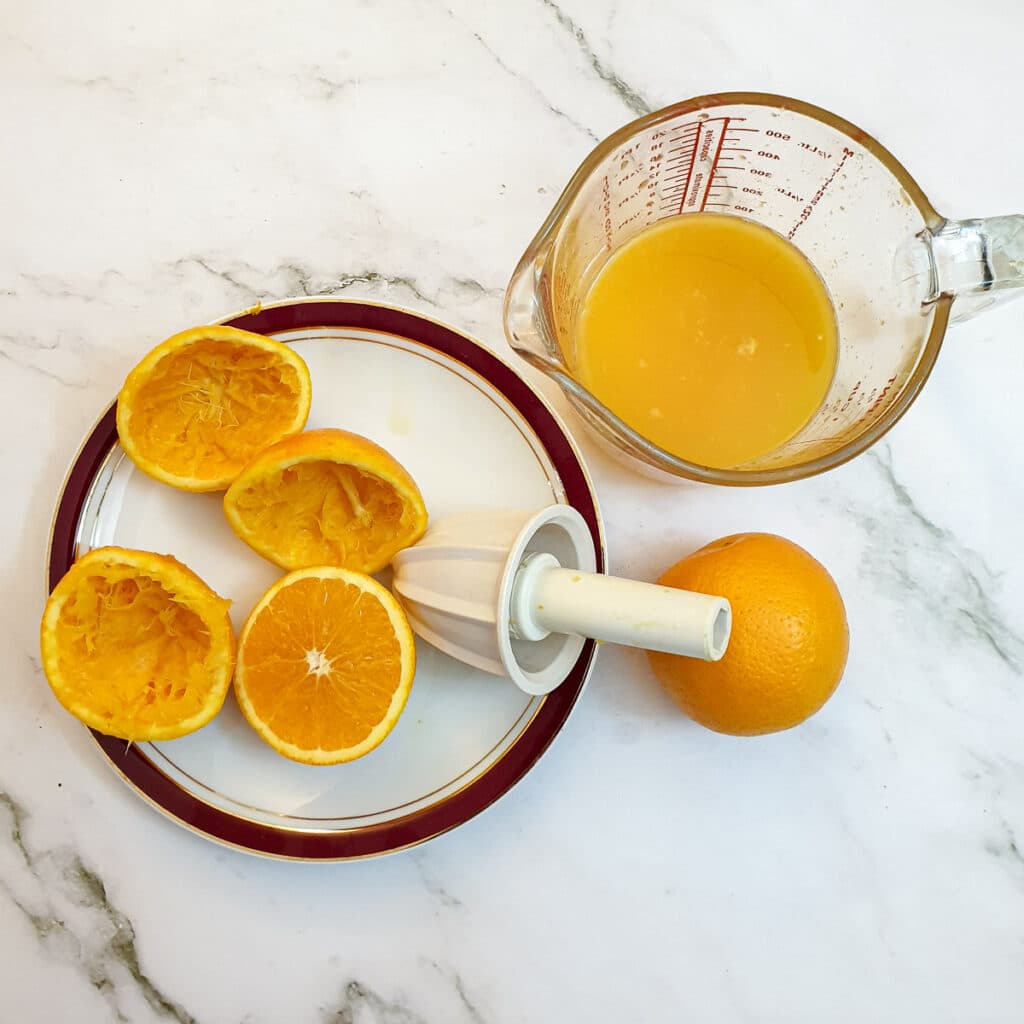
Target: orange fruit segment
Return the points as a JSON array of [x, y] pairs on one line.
[[201, 404], [326, 497], [325, 665], [136, 645], [789, 641]]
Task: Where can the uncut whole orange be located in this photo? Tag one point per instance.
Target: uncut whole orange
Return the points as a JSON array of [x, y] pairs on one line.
[[202, 403], [325, 665], [789, 640], [326, 497], [136, 645]]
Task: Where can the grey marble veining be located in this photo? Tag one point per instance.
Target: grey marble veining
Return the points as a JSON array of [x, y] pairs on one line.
[[629, 96], [910, 556], [66, 905]]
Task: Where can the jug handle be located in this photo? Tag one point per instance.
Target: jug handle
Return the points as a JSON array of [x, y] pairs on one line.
[[978, 262]]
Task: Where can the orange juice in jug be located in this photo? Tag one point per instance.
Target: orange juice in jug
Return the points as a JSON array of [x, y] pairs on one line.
[[711, 336]]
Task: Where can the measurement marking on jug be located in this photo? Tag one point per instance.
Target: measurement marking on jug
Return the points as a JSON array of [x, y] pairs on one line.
[[814, 149], [686, 160], [881, 398], [700, 159], [606, 209], [816, 198]]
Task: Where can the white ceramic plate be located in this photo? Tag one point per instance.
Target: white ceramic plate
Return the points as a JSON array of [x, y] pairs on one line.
[[472, 433]]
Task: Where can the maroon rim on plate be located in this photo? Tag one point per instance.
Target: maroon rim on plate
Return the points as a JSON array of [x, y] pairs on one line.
[[418, 826]]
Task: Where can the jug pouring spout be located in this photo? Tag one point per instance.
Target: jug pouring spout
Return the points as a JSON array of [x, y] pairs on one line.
[[525, 320]]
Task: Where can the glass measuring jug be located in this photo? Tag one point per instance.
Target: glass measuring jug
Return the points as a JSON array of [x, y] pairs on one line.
[[897, 271]]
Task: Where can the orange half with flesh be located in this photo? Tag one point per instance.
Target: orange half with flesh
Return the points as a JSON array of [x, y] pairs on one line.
[[325, 665]]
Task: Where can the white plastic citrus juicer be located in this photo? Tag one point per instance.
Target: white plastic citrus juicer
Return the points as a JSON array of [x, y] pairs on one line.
[[516, 593]]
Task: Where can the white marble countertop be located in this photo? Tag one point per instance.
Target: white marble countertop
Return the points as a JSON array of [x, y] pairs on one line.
[[166, 166]]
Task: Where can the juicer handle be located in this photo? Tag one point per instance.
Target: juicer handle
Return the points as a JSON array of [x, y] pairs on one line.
[[549, 599]]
